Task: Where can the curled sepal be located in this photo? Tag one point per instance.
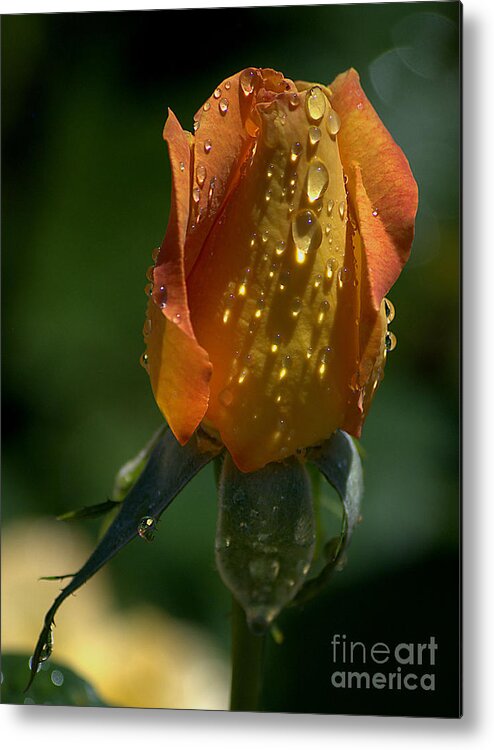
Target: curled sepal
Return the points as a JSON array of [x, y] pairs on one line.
[[170, 467], [339, 461], [265, 536]]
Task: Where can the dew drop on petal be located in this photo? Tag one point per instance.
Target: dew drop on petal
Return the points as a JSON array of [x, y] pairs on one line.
[[341, 209], [296, 307], [247, 78], [196, 125], [323, 309], [200, 174], [317, 180], [295, 151], [182, 166], [217, 93], [228, 85], [330, 268], [294, 100], [315, 104], [196, 195], [330, 207], [314, 135], [208, 145], [280, 247], [390, 341], [223, 106], [207, 106], [389, 310], [333, 123], [306, 233]]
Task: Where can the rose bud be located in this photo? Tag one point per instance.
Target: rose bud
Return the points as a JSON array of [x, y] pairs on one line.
[[292, 216]]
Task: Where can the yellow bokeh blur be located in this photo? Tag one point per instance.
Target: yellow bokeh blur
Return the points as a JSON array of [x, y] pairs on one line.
[[139, 657]]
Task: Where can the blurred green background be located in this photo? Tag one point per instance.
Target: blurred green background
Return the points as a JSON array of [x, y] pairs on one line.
[[85, 195]]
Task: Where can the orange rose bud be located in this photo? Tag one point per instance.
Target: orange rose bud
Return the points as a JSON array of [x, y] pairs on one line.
[[292, 216]]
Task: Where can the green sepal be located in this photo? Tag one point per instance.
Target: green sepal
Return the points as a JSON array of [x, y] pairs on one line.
[[339, 461]]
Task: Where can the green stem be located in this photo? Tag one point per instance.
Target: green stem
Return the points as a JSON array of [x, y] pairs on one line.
[[247, 663]]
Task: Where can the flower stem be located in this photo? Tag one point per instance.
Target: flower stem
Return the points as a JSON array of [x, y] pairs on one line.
[[247, 663]]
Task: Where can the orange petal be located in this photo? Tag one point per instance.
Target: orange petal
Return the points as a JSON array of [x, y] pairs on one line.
[[265, 309], [179, 368], [379, 181], [225, 134]]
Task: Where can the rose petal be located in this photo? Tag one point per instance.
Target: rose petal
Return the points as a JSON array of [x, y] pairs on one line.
[[179, 368], [253, 304], [379, 180]]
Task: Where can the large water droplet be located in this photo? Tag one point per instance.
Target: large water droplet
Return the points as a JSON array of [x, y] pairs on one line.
[[317, 180], [223, 106], [315, 104], [247, 79], [389, 310], [196, 195], [341, 209], [333, 123], [306, 233], [217, 93], [207, 106]]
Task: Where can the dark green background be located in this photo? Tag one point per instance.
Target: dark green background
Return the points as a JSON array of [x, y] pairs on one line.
[[85, 195]]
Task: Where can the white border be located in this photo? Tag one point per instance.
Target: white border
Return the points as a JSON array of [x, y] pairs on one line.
[[46, 727]]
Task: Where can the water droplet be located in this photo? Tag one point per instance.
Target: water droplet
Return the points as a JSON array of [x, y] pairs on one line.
[[283, 279], [267, 195], [323, 360], [296, 307], [317, 280], [341, 209], [265, 236], [333, 123], [228, 85], [315, 104], [201, 174], [212, 184], [280, 247], [287, 361], [147, 528], [270, 171], [360, 106], [182, 166], [276, 343], [293, 100], [390, 341], [243, 374], [323, 309], [330, 268], [161, 296], [309, 352], [306, 233], [330, 207], [57, 677], [247, 78], [317, 180], [196, 125], [223, 106], [196, 195], [217, 93], [389, 310], [295, 151], [144, 360], [208, 145], [207, 106], [314, 135], [375, 212]]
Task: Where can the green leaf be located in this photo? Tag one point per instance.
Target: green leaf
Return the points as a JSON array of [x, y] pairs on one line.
[[170, 467], [56, 685], [338, 460]]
